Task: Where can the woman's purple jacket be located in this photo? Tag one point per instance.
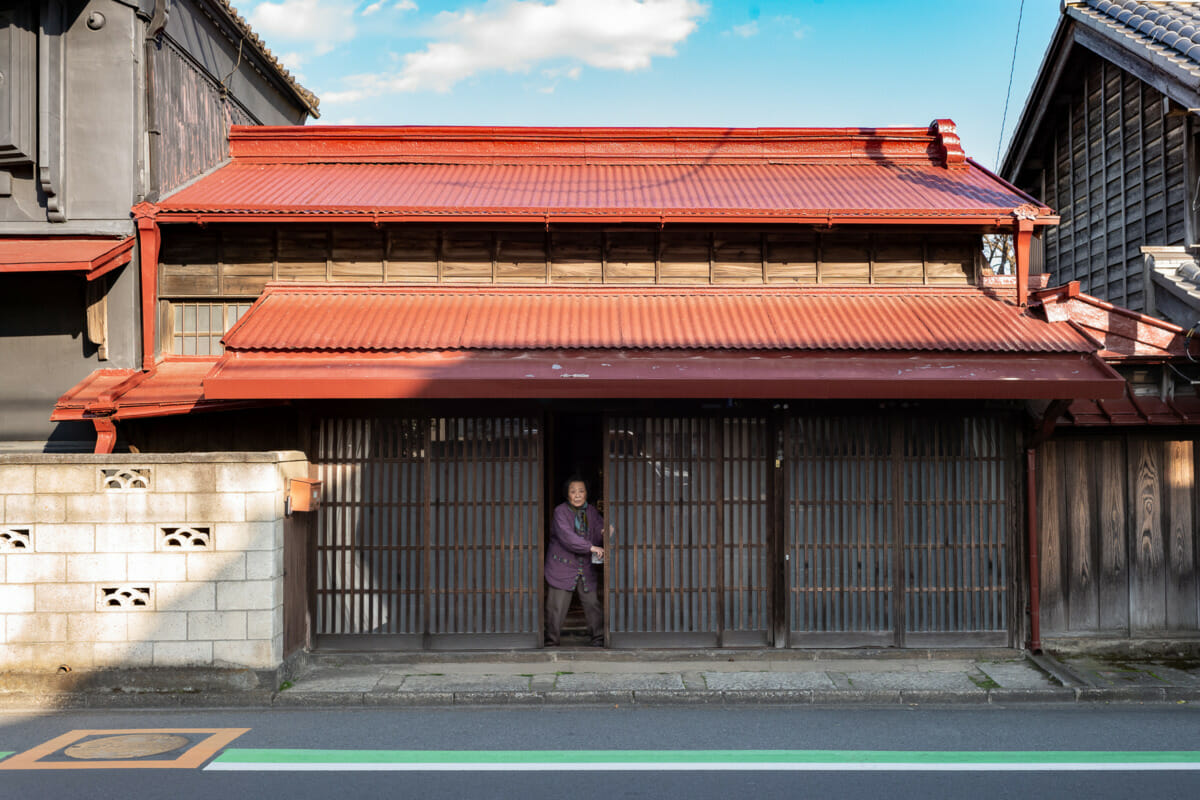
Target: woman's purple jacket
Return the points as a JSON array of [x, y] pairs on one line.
[[569, 555]]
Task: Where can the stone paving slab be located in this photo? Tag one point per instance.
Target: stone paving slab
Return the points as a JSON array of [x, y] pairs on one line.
[[762, 681], [338, 682], [1016, 675], [464, 683], [925, 681], [583, 681]]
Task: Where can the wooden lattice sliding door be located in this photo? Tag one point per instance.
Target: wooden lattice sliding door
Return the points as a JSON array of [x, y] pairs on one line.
[[959, 485], [430, 532], [898, 530], [688, 565], [841, 531]]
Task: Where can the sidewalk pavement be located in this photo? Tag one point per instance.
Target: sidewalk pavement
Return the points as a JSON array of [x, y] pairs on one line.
[[585, 676]]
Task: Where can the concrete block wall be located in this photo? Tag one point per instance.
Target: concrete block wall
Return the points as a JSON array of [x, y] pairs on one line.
[[129, 560]]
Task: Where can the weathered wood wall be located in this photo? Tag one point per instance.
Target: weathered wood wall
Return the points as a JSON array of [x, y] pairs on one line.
[[191, 119], [238, 260], [1112, 162], [1118, 536]]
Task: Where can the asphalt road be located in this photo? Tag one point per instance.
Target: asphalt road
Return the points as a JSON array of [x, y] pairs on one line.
[[964, 731]]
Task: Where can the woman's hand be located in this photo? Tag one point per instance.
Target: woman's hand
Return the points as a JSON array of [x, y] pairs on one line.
[[598, 551]]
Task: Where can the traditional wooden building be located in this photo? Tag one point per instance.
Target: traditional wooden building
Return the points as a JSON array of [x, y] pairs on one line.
[[803, 400]]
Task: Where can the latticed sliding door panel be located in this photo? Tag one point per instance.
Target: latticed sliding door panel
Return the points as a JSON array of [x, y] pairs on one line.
[[746, 457], [430, 527], [369, 526], [840, 530], [958, 510], [689, 503], [485, 526]]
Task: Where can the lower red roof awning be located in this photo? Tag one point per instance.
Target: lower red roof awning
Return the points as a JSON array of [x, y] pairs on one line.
[[175, 387], [661, 374], [93, 256]]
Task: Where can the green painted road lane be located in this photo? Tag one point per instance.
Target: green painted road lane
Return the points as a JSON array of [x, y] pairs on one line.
[[242, 759]]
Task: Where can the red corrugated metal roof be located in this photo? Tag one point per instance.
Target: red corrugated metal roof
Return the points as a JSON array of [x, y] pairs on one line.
[[175, 387], [581, 174], [659, 375], [63, 253], [1132, 410], [590, 191], [1122, 335], [325, 317]]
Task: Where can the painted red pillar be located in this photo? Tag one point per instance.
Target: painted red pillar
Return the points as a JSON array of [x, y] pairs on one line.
[[149, 241], [1022, 243]]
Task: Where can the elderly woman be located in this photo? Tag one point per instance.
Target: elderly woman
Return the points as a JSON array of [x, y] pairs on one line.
[[576, 539]]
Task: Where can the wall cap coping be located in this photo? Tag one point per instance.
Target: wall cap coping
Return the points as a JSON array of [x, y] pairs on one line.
[[125, 459]]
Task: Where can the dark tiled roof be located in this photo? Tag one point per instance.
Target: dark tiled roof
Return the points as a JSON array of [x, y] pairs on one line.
[[306, 97], [1162, 30]]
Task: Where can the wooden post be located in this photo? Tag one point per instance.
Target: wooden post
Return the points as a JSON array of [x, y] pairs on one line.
[[1022, 240], [1031, 524], [149, 240]]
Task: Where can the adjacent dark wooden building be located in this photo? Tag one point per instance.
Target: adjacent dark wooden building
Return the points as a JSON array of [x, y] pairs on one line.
[[1108, 139]]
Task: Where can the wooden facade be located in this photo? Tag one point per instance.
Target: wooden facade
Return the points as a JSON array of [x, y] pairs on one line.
[[191, 116], [1114, 164], [430, 532], [734, 528], [238, 260], [1119, 535]]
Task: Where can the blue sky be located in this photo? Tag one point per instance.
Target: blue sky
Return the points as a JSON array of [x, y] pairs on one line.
[[662, 62]]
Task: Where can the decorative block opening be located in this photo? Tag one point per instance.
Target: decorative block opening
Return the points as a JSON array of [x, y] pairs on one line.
[[125, 478], [123, 597], [16, 540], [185, 538]]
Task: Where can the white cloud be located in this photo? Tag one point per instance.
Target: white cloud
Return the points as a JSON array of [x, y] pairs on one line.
[[406, 5], [519, 35], [572, 72], [371, 9], [747, 30], [323, 24], [292, 61]]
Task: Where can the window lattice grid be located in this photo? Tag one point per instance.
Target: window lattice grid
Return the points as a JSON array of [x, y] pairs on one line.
[[197, 328]]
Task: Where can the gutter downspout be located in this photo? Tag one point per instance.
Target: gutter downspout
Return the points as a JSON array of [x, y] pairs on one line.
[[103, 411], [1031, 524]]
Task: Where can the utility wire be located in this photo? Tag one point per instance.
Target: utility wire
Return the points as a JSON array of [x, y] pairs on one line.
[[1011, 69]]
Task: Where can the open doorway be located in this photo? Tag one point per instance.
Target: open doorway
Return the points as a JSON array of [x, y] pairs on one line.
[[574, 447]]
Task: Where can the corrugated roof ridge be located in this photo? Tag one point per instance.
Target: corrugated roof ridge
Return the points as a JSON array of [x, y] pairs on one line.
[[937, 143], [354, 287]]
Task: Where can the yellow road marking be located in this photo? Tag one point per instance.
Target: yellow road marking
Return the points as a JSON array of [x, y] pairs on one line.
[[192, 758]]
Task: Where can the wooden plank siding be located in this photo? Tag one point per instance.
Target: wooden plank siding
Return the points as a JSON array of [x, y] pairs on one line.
[[1118, 540], [1113, 164], [238, 260], [191, 119]]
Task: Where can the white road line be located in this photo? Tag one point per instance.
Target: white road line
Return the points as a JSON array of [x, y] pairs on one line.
[[729, 766]]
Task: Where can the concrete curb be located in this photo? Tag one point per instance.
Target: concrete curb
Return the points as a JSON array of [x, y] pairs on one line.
[[293, 699]]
